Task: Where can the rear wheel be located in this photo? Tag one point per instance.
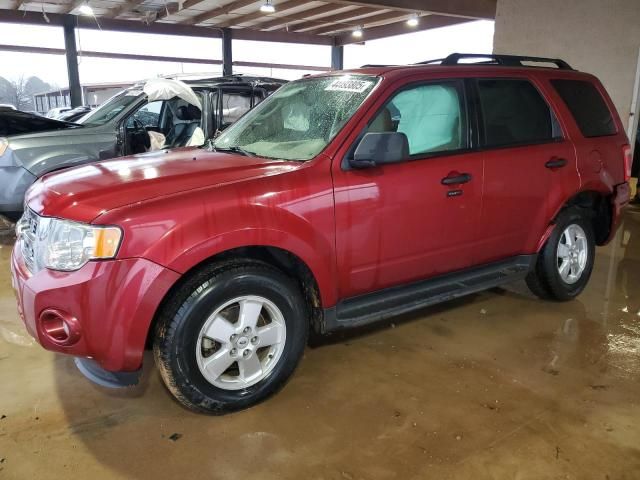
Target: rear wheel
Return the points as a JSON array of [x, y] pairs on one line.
[[566, 260], [230, 337]]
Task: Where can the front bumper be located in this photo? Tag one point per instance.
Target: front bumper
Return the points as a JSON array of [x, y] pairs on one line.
[[111, 305]]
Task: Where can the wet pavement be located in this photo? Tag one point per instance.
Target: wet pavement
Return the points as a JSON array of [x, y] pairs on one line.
[[498, 385]]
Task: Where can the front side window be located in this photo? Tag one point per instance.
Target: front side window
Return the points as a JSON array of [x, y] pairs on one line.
[[148, 115], [431, 116], [514, 112], [300, 119]]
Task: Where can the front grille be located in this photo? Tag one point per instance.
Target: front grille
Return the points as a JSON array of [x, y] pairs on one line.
[[28, 231]]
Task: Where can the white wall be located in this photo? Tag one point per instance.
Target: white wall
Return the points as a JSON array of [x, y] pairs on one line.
[[596, 36]]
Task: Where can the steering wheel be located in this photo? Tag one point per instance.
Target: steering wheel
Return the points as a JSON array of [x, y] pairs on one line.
[[138, 137], [138, 126]]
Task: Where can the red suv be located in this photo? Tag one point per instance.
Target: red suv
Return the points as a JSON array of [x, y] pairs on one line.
[[342, 199]]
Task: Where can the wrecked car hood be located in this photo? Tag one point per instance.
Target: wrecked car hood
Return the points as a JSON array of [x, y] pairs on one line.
[[84, 193], [15, 122]]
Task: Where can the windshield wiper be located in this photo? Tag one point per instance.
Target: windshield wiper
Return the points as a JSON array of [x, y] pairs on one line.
[[233, 149]]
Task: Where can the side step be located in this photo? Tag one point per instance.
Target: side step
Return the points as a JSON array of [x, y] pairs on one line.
[[376, 306]]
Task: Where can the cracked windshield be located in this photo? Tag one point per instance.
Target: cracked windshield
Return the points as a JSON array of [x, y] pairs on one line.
[[299, 120]]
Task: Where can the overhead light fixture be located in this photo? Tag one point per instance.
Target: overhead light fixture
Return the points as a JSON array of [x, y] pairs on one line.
[[267, 7], [357, 32], [85, 9], [413, 20]]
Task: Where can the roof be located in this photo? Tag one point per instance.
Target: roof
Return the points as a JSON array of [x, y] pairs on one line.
[[236, 79], [202, 79], [480, 62]]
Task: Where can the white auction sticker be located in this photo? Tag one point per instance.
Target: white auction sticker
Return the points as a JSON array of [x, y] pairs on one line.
[[349, 85]]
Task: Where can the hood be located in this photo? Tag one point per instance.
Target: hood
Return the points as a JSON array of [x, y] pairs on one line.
[[15, 122], [84, 193]]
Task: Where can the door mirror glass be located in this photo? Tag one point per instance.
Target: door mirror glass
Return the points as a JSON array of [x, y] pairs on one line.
[[380, 148]]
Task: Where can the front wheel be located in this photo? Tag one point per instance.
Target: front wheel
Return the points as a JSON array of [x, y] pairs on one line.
[[566, 260], [230, 337]]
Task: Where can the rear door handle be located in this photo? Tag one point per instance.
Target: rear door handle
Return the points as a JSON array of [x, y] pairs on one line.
[[556, 163], [456, 179]]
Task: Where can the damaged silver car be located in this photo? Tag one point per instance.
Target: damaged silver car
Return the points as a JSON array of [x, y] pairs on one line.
[[158, 114]]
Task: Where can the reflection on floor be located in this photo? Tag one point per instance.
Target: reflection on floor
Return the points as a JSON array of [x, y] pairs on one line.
[[497, 385]]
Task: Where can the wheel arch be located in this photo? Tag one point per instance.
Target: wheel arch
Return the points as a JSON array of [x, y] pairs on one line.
[[598, 207], [283, 260]]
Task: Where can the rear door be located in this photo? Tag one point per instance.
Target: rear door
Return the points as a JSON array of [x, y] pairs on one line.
[[525, 155], [399, 223]]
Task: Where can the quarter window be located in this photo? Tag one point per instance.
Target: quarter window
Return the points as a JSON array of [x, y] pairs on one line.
[[587, 107], [514, 112], [431, 116]]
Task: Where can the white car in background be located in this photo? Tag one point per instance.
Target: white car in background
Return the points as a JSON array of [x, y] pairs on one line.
[[54, 112]]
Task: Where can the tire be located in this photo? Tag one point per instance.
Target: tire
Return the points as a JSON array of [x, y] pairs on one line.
[[192, 347], [546, 280]]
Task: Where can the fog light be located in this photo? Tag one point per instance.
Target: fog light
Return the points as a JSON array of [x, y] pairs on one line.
[[59, 327]]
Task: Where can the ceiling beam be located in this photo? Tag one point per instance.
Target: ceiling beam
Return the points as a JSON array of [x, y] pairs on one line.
[[340, 17], [477, 9], [373, 20], [115, 25], [258, 15], [426, 23], [122, 8], [281, 21], [216, 12]]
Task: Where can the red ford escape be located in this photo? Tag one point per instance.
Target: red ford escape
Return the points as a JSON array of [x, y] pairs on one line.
[[342, 199]]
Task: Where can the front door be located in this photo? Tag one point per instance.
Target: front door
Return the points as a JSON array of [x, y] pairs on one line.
[[408, 221]]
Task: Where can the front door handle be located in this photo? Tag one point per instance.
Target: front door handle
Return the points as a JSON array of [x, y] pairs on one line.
[[556, 163], [456, 179]]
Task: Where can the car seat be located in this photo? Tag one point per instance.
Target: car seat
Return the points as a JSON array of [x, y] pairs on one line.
[[187, 119]]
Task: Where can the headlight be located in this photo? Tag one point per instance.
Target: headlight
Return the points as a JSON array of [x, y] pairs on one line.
[[66, 245]]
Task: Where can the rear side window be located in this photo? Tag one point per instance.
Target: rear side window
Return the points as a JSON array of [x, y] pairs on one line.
[[514, 112], [587, 107]]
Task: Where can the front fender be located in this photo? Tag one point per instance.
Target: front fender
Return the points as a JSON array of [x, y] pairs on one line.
[[316, 254], [181, 231]]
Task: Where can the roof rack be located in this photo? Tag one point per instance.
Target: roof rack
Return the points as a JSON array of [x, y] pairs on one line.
[[503, 60]]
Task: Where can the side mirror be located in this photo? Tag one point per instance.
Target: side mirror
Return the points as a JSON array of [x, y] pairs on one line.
[[380, 148]]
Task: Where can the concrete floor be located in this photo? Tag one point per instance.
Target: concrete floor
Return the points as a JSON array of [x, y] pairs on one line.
[[497, 385]]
